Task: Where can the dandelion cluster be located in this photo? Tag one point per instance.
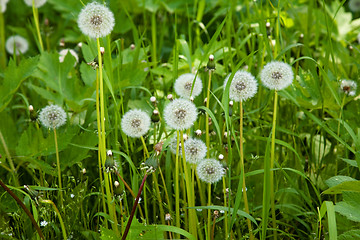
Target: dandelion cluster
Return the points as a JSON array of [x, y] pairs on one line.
[[277, 75], [37, 3], [195, 150], [135, 123], [64, 52], [52, 116], [180, 114], [17, 43], [95, 20], [243, 86], [210, 170], [184, 84], [348, 87]]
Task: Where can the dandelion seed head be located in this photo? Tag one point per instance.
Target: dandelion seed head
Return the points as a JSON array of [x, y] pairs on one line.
[[243, 86], [195, 150], [348, 87], [18, 43], [183, 85], [277, 75], [38, 3], [135, 123], [64, 52], [180, 114], [52, 116], [210, 170], [3, 5], [95, 20]]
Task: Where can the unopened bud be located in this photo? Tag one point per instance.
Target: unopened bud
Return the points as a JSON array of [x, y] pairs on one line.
[[116, 184], [167, 217], [62, 42], [132, 46], [31, 108], [79, 44], [198, 132], [109, 153], [221, 157], [231, 103], [267, 24], [83, 171], [102, 50], [153, 99], [192, 98], [170, 97]]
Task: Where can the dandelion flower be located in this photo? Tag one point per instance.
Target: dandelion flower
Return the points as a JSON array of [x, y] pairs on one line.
[[95, 20], [52, 116], [64, 52], [184, 83], [243, 86], [38, 3], [348, 87], [173, 145], [195, 150], [180, 114], [277, 75], [135, 123], [354, 5], [18, 43], [210, 170]]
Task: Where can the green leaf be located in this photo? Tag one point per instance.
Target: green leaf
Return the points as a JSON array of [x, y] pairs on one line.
[[345, 186], [350, 206], [13, 77], [350, 235], [333, 181]]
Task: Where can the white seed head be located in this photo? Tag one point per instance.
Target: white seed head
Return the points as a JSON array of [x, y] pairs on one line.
[[221, 157], [64, 52], [173, 145], [52, 116], [184, 83], [3, 5], [109, 153], [116, 184], [277, 75], [195, 150], [198, 132], [180, 114], [95, 20], [38, 3], [348, 87], [354, 5], [17, 43], [210, 170], [243, 86], [135, 123]]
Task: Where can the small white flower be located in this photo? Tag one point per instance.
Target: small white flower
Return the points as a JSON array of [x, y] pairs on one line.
[[43, 223], [18, 43], [180, 114], [135, 123], [52, 116], [95, 20], [277, 75], [243, 86], [184, 83], [38, 3], [72, 195], [64, 52], [210, 170], [348, 87], [195, 150], [354, 5]]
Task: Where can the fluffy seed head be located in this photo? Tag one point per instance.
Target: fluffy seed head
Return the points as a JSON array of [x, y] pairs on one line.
[[243, 86], [183, 85], [52, 116], [64, 52], [38, 3], [180, 114], [354, 5], [95, 20], [18, 43], [210, 170], [277, 75], [195, 150], [348, 87], [135, 123]]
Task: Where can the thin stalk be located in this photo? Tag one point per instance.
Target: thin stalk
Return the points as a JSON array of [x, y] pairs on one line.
[[177, 193], [11, 163], [146, 152], [209, 211], [37, 26], [153, 38], [272, 158], [243, 170], [59, 171], [213, 228], [162, 213], [225, 205], [59, 216], [24, 208], [207, 115], [2, 42], [134, 208]]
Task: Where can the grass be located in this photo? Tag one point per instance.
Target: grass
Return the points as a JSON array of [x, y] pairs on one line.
[[291, 157]]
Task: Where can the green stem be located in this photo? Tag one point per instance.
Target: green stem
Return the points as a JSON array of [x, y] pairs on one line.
[[59, 171], [2, 42], [11, 163], [209, 212], [153, 37], [272, 158], [59, 216], [37, 26], [207, 115], [177, 193]]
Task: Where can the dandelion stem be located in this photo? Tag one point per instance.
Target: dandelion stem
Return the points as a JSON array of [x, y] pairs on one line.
[[2, 42], [209, 211], [207, 115], [177, 193], [59, 216], [59, 171], [11, 163], [37, 26]]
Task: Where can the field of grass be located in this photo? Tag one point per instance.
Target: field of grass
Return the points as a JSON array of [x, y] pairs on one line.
[[179, 119]]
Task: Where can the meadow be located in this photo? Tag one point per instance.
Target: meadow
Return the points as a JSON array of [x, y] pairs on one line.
[[192, 119]]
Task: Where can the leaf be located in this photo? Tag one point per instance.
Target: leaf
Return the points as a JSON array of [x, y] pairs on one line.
[[345, 186], [13, 77], [350, 235], [350, 206], [333, 181]]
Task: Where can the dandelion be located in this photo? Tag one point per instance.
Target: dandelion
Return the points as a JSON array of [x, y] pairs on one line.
[[17, 43], [52, 116], [135, 123], [348, 87], [95, 20], [210, 170], [184, 84], [64, 52], [3, 5], [354, 5], [180, 114], [195, 150], [37, 3], [173, 144], [243, 86], [277, 75]]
